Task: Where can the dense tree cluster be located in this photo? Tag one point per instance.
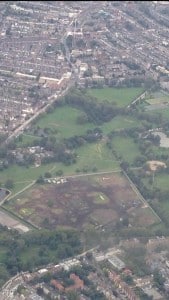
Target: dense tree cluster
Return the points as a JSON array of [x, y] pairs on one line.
[[37, 248], [97, 113]]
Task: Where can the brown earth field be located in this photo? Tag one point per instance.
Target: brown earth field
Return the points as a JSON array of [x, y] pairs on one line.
[[81, 201]]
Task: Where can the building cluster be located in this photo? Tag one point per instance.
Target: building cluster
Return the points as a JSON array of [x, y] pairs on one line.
[[32, 65], [112, 286], [120, 36], [36, 153], [122, 44], [78, 284], [45, 46], [122, 285], [158, 260]]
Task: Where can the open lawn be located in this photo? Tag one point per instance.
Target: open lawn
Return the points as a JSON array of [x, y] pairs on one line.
[[96, 155], [163, 99], [95, 200], [126, 148], [160, 181], [90, 156], [26, 140], [157, 102], [64, 120], [118, 123], [164, 112], [162, 208], [20, 174], [160, 150], [18, 186], [122, 96]]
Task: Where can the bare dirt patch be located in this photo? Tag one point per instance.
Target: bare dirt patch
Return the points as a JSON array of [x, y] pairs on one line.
[[8, 221], [143, 216], [77, 202], [155, 164]]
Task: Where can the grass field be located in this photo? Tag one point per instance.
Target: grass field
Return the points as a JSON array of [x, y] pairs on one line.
[[160, 181], [116, 123], [19, 186], [158, 100], [96, 155], [90, 156], [160, 150], [157, 97], [18, 173], [122, 96], [26, 140], [120, 122], [126, 147], [64, 120], [163, 112]]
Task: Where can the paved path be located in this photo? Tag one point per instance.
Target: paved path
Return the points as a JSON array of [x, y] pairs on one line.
[[87, 174], [25, 188]]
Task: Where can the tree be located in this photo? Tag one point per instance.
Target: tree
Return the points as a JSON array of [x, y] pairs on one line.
[[59, 173], [89, 255], [20, 289], [149, 83], [124, 165], [72, 295], [9, 184], [20, 138], [128, 279], [40, 180], [142, 295], [38, 76], [4, 275], [39, 291], [158, 280], [48, 175]]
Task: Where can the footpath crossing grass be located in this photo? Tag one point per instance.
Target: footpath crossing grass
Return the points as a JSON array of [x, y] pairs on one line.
[[96, 155], [122, 96]]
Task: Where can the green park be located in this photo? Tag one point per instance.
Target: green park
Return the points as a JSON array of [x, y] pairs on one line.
[[103, 145]]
